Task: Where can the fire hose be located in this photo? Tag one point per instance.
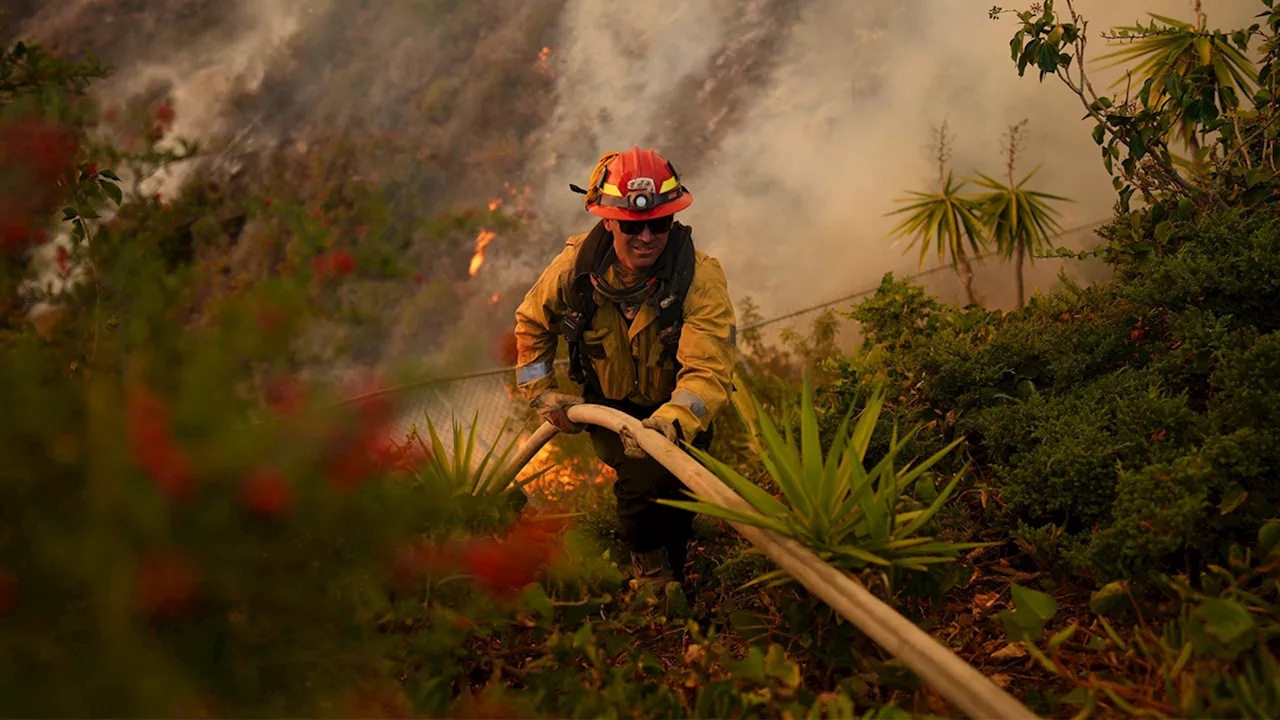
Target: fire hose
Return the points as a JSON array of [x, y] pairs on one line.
[[956, 680]]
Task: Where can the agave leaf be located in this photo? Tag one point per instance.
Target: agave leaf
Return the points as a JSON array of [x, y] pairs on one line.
[[783, 464], [933, 508], [866, 424], [872, 506], [730, 514], [439, 456], [835, 464], [770, 577], [459, 445], [863, 480], [900, 544], [912, 474], [501, 475], [927, 559], [520, 484], [476, 476], [813, 476], [762, 501], [860, 554]]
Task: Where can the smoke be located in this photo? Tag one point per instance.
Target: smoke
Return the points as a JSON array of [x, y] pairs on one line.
[[796, 123], [793, 199]]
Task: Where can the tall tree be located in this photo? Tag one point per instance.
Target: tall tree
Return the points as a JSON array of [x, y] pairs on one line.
[[1018, 219], [944, 219]]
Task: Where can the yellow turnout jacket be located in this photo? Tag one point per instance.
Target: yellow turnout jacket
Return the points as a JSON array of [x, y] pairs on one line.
[[629, 361]]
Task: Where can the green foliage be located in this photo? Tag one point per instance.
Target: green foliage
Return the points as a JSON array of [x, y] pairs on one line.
[[1132, 423], [852, 516], [457, 471], [1175, 54], [1191, 82], [1017, 216], [944, 220]]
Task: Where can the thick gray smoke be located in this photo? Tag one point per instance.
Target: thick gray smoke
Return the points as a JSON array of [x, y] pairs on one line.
[[795, 122], [792, 199]]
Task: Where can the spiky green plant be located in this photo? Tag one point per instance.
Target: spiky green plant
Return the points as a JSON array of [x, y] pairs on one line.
[[1020, 220], [458, 473], [945, 220], [1167, 57], [852, 516]]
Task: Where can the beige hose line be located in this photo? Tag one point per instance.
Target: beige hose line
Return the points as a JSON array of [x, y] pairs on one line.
[[956, 680]]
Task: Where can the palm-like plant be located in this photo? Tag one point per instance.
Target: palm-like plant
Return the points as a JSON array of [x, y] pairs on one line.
[[850, 515], [1169, 58], [946, 220], [1018, 219]]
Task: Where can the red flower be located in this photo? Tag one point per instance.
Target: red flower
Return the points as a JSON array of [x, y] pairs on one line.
[[64, 261], [8, 593], [154, 447], [46, 150], [413, 455], [14, 234], [165, 113], [368, 454], [503, 567], [167, 583], [413, 561], [417, 278], [91, 170], [284, 394], [266, 202], [332, 264], [266, 493]]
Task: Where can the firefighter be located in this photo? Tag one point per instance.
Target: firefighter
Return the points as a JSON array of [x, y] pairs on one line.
[[650, 331]]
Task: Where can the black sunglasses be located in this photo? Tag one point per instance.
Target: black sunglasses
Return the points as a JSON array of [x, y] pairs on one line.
[[657, 226]]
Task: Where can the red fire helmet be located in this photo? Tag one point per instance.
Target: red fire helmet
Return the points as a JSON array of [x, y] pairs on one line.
[[639, 185]]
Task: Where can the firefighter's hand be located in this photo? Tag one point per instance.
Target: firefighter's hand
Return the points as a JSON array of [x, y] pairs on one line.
[[665, 427], [551, 407]]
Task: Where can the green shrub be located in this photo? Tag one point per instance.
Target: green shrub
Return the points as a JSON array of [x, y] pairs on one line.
[[1130, 421]]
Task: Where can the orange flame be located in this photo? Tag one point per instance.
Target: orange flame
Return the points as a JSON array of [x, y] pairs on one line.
[[482, 241], [494, 300], [494, 204], [559, 478], [543, 66]]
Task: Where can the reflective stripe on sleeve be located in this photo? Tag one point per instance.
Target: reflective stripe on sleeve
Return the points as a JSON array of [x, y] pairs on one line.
[[530, 373], [692, 401]]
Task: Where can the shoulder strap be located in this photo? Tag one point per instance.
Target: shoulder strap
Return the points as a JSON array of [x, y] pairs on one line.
[[671, 306], [581, 301]]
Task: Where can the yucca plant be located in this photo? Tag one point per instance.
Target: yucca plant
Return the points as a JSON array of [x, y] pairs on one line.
[[1020, 220], [1168, 58], [852, 516], [946, 220], [458, 472]]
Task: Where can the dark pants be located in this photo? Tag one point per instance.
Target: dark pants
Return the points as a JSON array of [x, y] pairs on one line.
[[646, 525]]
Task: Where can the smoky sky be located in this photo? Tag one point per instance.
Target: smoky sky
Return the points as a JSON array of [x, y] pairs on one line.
[[796, 123]]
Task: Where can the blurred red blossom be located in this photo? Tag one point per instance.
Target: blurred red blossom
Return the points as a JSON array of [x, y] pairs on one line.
[[267, 493], [167, 582], [154, 447]]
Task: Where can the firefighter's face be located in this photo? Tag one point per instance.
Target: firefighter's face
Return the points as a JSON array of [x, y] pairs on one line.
[[637, 251]]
